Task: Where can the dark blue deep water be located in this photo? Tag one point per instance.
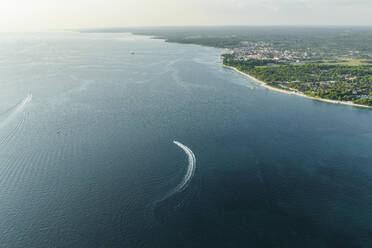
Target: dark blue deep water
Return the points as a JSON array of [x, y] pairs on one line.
[[87, 156]]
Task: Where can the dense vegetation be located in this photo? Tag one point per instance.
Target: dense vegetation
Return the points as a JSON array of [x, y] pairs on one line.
[[336, 82]]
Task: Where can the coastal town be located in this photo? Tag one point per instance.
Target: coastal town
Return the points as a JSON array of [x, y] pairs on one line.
[[284, 55], [266, 51]]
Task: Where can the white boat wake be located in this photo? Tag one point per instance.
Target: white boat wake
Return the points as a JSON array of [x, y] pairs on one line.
[[15, 110], [149, 215], [187, 177], [190, 167]]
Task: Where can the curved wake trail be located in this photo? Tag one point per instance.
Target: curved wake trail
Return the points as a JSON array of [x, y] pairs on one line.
[[16, 110], [188, 176], [149, 215], [190, 167]]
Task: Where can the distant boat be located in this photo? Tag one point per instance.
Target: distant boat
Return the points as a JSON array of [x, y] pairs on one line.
[[133, 53]]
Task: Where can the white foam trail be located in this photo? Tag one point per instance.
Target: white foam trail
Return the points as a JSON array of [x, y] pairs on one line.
[[180, 187], [190, 168], [17, 109], [188, 176]]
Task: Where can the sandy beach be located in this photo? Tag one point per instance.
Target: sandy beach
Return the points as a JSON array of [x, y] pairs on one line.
[[296, 93]]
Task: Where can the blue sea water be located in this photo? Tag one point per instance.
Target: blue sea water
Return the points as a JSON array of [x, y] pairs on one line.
[[87, 159]]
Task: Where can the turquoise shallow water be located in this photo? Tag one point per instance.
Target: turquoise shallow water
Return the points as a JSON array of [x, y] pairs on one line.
[[89, 159]]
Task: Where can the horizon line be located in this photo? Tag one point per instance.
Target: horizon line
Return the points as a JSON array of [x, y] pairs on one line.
[[82, 29]]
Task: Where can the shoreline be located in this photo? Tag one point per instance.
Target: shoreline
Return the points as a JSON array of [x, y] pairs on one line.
[[289, 92]]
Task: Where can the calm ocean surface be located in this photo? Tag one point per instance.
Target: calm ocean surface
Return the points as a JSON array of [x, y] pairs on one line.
[[87, 157]]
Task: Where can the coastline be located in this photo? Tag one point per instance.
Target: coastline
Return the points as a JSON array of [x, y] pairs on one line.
[[296, 93], [277, 89]]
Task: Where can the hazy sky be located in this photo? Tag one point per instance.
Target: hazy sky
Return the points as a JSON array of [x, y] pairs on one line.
[[32, 15]]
